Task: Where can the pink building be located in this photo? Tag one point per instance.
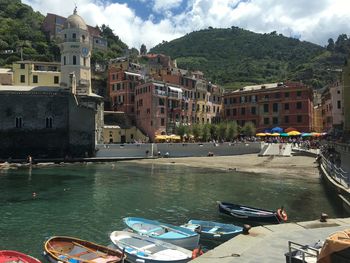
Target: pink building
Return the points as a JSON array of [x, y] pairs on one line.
[[332, 109]]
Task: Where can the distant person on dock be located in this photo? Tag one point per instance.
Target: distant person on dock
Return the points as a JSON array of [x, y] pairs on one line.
[[29, 159]]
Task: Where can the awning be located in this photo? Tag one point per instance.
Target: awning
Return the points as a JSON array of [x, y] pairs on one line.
[[175, 89], [132, 74], [158, 84]]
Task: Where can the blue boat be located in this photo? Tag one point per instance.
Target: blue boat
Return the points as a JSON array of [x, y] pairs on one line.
[[213, 230], [176, 235]]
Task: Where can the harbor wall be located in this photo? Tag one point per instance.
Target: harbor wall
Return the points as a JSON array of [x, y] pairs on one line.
[[176, 149]]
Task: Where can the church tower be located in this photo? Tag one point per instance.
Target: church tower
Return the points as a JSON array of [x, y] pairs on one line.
[[75, 56]]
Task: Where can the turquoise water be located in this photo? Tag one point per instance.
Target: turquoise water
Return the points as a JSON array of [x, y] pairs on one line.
[[89, 200]]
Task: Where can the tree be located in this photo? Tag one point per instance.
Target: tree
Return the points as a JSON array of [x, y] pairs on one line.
[[206, 132], [143, 49], [248, 129], [196, 131], [222, 130], [331, 45], [232, 130]]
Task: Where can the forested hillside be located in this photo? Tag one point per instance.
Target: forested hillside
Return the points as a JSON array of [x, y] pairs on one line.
[[234, 57]]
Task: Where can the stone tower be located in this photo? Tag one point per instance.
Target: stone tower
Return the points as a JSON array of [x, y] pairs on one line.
[[75, 56]]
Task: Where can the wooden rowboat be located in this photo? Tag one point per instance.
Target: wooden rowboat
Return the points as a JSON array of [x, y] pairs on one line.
[[252, 214], [10, 256], [74, 250], [176, 235], [149, 250]]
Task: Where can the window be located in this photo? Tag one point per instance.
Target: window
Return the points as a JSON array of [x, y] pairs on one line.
[[299, 105], [338, 104], [266, 121], [225, 101], [274, 120], [74, 60], [162, 122], [299, 118], [234, 112], [83, 38], [23, 78], [64, 60], [49, 122], [162, 110], [266, 107], [286, 119], [56, 79], [65, 36], [243, 111], [298, 93], [84, 61], [35, 78], [19, 122], [275, 107], [277, 95], [253, 110], [74, 36], [23, 66], [228, 112], [286, 94], [286, 106], [338, 91], [148, 110]]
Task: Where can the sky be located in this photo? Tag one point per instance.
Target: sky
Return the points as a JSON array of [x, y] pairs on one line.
[[150, 22]]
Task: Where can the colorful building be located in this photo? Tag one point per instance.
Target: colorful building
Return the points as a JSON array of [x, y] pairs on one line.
[[270, 105], [34, 73], [332, 110]]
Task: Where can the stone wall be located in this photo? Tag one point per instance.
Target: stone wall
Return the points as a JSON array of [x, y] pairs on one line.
[[176, 149]]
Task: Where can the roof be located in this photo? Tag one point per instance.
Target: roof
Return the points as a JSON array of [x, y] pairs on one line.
[[37, 62], [5, 70], [257, 87], [31, 88], [75, 21]]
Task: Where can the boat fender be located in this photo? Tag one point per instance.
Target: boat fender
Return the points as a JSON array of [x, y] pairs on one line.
[[282, 215], [246, 229], [197, 252]]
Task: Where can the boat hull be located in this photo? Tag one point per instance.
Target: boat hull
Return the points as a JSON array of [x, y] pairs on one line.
[[15, 256], [243, 214]]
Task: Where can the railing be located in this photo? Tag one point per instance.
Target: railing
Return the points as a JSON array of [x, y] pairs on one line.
[[300, 252], [337, 173]]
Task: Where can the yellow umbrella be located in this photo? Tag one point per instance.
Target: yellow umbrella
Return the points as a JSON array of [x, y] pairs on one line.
[[175, 137], [160, 137], [294, 133], [260, 134], [275, 134]]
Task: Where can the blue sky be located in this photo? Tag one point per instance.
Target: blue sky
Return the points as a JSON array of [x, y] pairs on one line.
[[152, 21]]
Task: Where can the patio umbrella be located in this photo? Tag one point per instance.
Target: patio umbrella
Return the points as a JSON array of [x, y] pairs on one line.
[[290, 129], [294, 133], [316, 134], [306, 134], [275, 134], [260, 134], [277, 129], [284, 134]]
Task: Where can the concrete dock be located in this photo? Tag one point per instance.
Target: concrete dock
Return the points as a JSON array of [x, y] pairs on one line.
[[269, 243]]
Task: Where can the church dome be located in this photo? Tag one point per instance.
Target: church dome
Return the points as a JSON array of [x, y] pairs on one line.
[[75, 21]]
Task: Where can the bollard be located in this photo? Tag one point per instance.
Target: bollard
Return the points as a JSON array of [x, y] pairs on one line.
[[246, 229], [324, 217]]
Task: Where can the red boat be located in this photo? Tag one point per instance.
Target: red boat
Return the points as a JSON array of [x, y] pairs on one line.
[[10, 256]]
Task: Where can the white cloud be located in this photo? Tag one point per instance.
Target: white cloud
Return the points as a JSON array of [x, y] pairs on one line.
[[313, 20]]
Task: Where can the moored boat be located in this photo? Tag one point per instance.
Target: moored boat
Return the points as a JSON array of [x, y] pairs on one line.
[[10, 256], [74, 250], [252, 214], [149, 250], [213, 230], [176, 235]]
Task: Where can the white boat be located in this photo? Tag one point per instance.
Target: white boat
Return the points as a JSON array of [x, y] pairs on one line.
[[144, 249], [176, 235]]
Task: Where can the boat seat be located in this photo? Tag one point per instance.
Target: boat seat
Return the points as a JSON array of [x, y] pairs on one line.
[[214, 229], [147, 247]]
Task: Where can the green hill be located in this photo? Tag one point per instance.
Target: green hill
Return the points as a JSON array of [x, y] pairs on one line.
[[20, 29], [234, 57]]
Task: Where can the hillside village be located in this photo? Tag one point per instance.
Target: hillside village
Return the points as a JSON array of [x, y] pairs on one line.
[[145, 97]]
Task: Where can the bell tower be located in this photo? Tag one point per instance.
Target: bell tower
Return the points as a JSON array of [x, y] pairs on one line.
[[75, 55]]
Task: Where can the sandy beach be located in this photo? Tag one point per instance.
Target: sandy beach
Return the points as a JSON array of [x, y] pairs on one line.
[[294, 165]]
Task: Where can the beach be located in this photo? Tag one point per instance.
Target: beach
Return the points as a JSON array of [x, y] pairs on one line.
[[274, 165]]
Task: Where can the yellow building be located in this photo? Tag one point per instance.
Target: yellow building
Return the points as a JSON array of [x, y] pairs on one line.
[[115, 134], [317, 120], [33, 73]]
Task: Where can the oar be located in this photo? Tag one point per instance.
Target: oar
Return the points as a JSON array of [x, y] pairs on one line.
[[68, 256], [176, 230]]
